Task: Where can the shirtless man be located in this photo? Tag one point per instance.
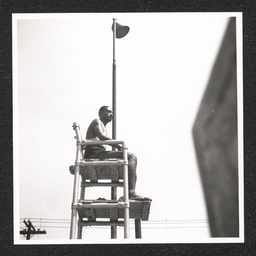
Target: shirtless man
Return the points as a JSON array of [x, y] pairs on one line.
[[97, 131]]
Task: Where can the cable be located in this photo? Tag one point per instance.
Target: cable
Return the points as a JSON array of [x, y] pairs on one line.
[[149, 221], [151, 224]]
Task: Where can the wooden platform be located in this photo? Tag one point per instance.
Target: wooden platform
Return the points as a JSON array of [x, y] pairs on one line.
[[92, 211], [95, 173], [138, 210]]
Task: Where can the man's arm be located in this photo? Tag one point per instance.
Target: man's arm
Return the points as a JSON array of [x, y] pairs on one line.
[[100, 133]]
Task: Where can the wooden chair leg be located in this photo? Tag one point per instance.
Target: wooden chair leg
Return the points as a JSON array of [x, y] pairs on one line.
[[113, 228], [82, 192], [79, 229], [137, 228]]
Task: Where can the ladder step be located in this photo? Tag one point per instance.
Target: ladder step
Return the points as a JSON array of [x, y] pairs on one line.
[[119, 162], [101, 205], [103, 184], [102, 223], [137, 210], [89, 201]]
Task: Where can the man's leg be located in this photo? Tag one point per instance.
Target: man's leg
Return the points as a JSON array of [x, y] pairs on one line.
[[132, 165]]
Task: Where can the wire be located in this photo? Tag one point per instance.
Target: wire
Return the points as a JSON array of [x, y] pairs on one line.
[[55, 227], [149, 221], [94, 227], [150, 224]]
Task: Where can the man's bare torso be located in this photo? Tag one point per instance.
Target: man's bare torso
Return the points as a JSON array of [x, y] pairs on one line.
[[96, 125]]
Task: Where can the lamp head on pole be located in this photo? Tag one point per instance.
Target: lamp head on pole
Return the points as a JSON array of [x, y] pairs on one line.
[[121, 31]]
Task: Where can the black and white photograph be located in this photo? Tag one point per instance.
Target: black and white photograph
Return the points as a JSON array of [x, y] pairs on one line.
[[164, 92]]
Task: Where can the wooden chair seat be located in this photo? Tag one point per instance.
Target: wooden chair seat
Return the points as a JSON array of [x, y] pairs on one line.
[[96, 173]]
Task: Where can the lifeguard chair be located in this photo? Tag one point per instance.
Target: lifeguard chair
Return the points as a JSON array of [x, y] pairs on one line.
[[103, 173]]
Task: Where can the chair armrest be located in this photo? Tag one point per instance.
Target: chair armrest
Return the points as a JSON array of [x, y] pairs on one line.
[[100, 142]]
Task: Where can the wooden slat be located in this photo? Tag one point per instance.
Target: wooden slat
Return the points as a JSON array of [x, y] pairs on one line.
[[138, 210], [101, 205], [145, 211], [102, 213], [113, 214], [104, 184], [92, 173], [114, 173], [118, 162], [89, 201], [84, 172], [102, 223], [90, 215], [121, 172], [103, 172]]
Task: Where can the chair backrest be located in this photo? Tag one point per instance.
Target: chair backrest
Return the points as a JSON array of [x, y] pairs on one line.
[[95, 173]]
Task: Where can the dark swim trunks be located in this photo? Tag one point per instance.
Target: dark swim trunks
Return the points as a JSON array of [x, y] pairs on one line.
[[93, 151]]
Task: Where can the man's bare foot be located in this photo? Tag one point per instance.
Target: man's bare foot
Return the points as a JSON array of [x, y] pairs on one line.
[[137, 197]]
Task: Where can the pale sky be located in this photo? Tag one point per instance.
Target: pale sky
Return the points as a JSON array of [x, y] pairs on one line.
[[63, 74]]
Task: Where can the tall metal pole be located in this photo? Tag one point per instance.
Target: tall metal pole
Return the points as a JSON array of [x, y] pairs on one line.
[[114, 82], [113, 189], [122, 31]]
